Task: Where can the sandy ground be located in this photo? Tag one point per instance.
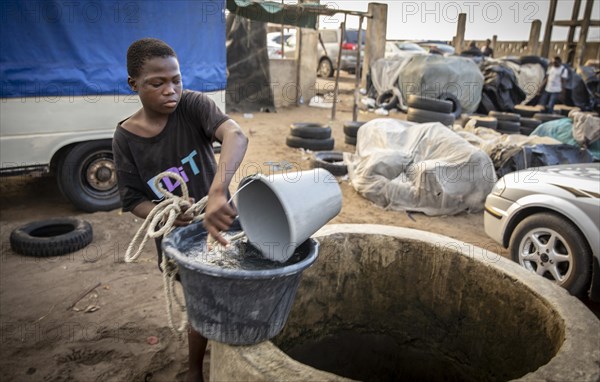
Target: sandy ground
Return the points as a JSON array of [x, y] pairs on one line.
[[42, 339]]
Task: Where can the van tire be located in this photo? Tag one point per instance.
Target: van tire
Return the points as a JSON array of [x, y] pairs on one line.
[[87, 176], [426, 116], [456, 107], [325, 69], [52, 237], [310, 144], [310, 130], [351, 128], [431, 104], [350, 140], [330, 161]]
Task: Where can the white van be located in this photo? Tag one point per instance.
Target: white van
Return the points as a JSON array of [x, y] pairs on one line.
[[69, 137]]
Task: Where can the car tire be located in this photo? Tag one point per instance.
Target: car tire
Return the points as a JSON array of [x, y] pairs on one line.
[[325, 69], [332, 161], [530, 123], [543, 117], [351, 128], [577, 273], [526, 111], [503, 116], [310, 130], [485, 121], [350, 140], [310, 144], [425, 116], [87, 176], [526, 130], [456, 107], [53, 237], [389, 99], [507, 127], [430, 104]]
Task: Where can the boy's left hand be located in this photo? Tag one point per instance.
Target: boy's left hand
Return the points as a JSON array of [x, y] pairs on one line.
[[219, 216]]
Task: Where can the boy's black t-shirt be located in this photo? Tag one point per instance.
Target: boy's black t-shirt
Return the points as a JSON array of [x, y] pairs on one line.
[[184, 146]]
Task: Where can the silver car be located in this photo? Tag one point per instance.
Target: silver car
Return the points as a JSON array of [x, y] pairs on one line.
[[549, 218]]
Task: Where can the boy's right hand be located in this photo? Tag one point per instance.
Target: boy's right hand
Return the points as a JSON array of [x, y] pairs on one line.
[[184, 219]]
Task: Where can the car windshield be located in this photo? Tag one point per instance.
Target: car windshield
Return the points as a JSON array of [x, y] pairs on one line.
[[352, 36]]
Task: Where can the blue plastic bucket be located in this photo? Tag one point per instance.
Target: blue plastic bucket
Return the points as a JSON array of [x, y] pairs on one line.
[[235, 306]]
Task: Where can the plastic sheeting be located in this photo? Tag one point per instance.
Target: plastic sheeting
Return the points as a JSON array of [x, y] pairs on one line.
[[529, 78], [249, 81], [426, 167], [562, 130], [501, 90], [499, 147], [431, 75], [55, 48], [544, 155]]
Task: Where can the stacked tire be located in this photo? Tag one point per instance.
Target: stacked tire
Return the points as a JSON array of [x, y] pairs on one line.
[[310, 136], [424, 110], [526, 111], [351, 131], [544, 117], [508, 123], [484, 121], [565, 109], [332, 161], [528, 125]]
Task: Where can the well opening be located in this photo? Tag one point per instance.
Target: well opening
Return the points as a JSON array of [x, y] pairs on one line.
[[377, 307]]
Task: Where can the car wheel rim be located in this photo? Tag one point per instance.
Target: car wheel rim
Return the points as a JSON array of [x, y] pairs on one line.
[[545, 252], [99, 174]]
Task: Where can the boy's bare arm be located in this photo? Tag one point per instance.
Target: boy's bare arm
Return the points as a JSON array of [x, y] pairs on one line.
[[219, 214]]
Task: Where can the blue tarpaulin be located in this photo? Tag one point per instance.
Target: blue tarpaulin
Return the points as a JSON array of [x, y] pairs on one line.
[[74, 48]]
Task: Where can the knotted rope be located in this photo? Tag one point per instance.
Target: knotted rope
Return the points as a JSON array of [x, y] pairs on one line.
[[163, 217]]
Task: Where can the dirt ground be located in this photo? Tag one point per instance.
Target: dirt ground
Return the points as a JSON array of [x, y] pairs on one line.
[[43, 339]]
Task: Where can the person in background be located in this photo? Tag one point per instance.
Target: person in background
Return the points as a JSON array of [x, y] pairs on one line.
[[473, 51], [556, 75], [487, 50]]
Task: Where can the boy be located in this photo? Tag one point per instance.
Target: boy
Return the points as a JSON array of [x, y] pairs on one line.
[[174, 131], [555, 77]]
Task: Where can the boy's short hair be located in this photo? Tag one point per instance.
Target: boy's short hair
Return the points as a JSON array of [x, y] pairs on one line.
[[144, 49], [558, 59]]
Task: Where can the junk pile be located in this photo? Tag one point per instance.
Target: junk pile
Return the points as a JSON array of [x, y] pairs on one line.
[[501, 90], [401, 165], [512, 152], [392, 80]]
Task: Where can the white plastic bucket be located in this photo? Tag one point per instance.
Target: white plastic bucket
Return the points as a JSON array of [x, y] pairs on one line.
[[279, 212]]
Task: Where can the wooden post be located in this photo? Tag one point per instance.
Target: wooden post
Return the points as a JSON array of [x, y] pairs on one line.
[[495, 44], [358, 72], [376, 36], [583, 33], [548, 32], [459, 42], [574, 17], [534, 37], [336, 88]]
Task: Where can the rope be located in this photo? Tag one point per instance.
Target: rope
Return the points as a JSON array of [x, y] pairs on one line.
[[163, 216]]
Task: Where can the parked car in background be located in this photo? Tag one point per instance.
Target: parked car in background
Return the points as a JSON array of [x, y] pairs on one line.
[[549, 218], [274, 43], [329, 48], [442, 47], [402, 49]]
